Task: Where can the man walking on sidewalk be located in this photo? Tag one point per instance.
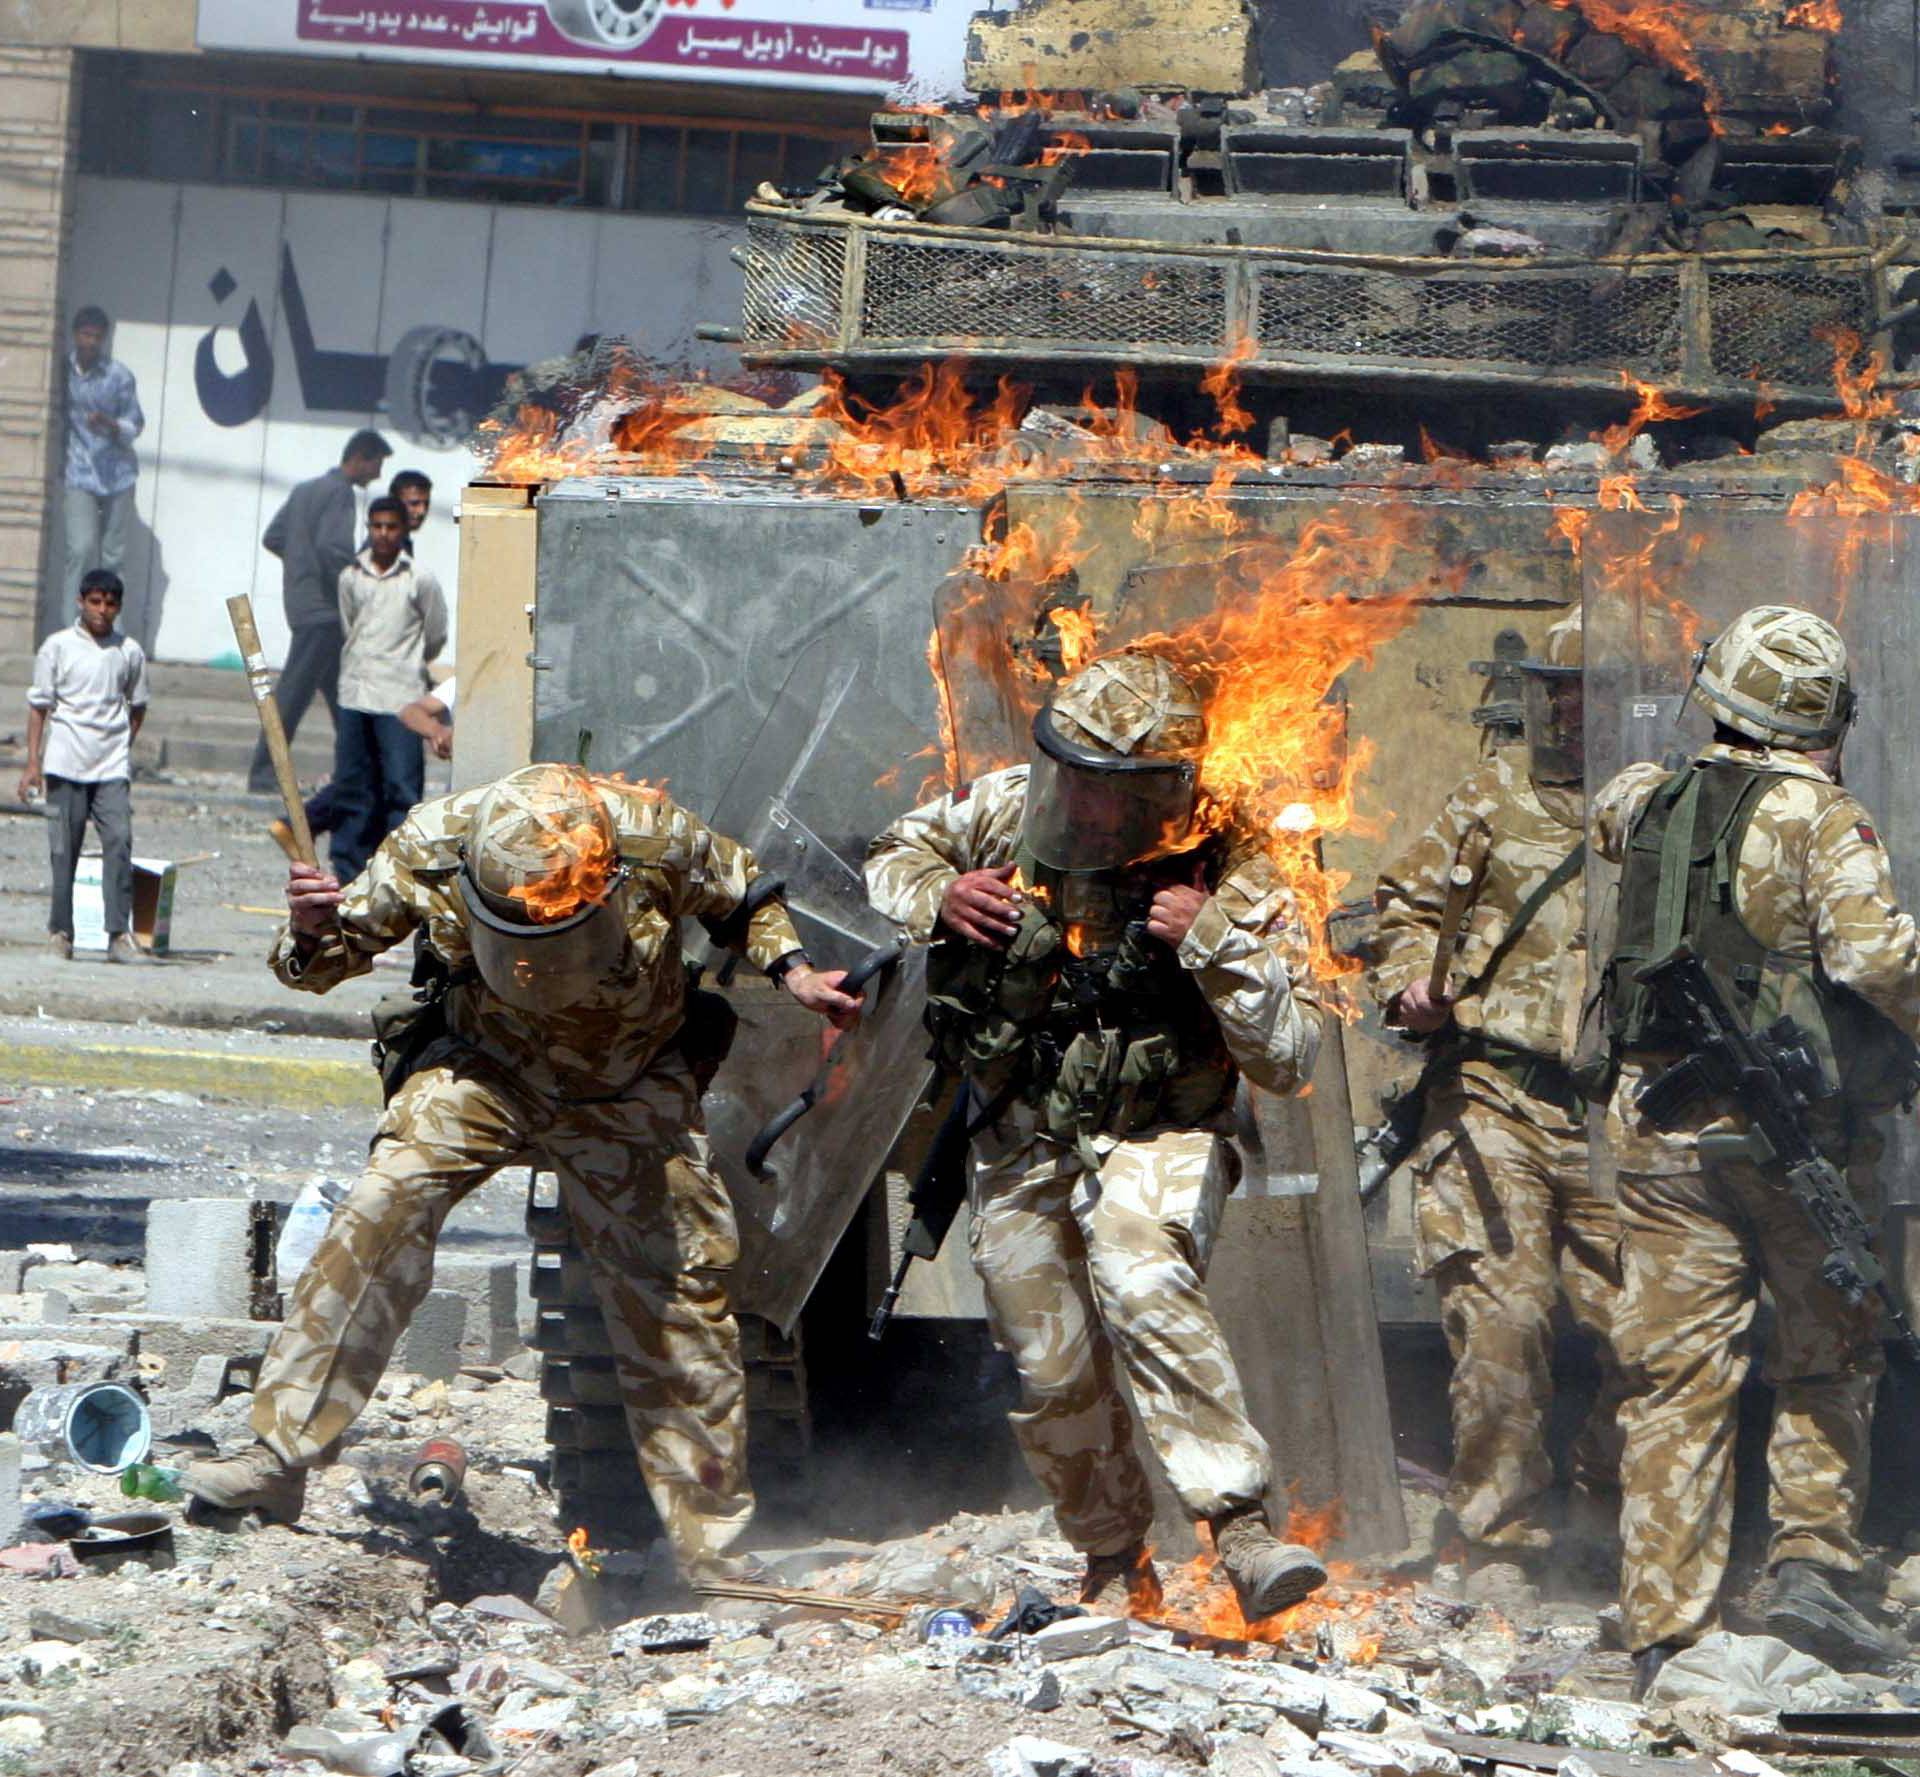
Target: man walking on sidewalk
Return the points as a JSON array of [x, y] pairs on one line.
[[88, 699], [316, 534]]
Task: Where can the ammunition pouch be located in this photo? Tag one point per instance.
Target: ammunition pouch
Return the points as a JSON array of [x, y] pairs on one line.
[[1109, 1044]]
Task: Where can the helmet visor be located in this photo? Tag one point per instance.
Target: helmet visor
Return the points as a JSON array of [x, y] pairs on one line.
[[1090, 810], [544, 968], [1554, 707]]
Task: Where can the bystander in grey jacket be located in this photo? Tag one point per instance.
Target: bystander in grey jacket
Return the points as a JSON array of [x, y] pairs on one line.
[[315, 536]]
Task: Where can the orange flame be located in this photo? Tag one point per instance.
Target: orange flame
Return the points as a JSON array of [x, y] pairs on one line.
[[1816, 15], [1353, 1612], [1660, 31], [578, 864], [1222, 383], [1076, 627]]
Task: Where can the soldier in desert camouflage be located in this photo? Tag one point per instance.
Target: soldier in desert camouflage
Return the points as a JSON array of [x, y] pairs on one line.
[[1505, 1216], [551, 903], [1774, 876], [1101, 975]]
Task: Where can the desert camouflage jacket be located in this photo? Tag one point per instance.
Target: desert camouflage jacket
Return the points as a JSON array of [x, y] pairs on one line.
[[1245, 948], [1521, 959], [1812, 881], [676, 867]]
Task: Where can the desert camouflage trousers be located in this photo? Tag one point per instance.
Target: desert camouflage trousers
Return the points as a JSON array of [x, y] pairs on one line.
[[647, 1210], [1092, 1273], [1506, 1220], [1698, 1247]]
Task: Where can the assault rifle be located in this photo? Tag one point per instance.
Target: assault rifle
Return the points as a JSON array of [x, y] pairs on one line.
[[1776, 1078]]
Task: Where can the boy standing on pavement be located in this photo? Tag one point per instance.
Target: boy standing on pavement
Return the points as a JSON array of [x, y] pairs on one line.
[[396, 621], [88, 699]]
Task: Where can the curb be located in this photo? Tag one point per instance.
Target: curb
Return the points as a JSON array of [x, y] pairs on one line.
[[287, 1080], [278, 1019]]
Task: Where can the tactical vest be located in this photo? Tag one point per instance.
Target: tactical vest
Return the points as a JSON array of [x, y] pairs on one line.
[[1083, 1016], [1678, 882]]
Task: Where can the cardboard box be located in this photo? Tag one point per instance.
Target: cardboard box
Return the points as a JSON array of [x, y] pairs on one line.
[[153, 883]]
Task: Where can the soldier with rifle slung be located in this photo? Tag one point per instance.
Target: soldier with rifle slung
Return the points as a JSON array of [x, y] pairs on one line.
[[1101, 974], [1505, 1216], [1761, 999]]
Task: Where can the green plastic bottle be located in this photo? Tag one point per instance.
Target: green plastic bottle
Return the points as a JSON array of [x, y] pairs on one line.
[[146, 1480]]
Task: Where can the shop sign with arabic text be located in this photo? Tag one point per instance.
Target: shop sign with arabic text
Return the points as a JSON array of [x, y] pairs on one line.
[[871, 45]]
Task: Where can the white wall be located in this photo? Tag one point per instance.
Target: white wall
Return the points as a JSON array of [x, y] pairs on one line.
[[519, 283]]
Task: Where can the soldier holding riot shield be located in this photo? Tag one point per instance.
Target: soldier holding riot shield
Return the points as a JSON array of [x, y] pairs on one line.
[[1505, 1217], [1102, 972], [554, 1026], [1752, 874]]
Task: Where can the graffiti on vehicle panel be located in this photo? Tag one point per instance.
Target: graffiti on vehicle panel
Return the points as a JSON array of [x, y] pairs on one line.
[[433, 386]]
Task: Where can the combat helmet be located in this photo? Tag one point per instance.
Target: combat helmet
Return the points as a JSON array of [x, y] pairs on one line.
[[1553, 705], [1778, 675], [540, 877], [1114, 766]]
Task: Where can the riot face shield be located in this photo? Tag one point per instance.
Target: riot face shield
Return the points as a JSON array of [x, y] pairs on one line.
[[1089, 810], [1553, 706], [834, 762], [545, 968]]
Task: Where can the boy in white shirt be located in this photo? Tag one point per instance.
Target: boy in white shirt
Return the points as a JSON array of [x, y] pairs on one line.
[[88, 699], [396, 621]]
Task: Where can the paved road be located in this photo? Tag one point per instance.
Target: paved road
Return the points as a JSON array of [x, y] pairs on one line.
[[98, 1119]]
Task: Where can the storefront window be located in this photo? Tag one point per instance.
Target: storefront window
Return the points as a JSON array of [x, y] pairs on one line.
[[133, 127]]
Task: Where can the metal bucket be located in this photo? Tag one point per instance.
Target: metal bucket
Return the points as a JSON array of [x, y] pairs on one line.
[[100, 1425]]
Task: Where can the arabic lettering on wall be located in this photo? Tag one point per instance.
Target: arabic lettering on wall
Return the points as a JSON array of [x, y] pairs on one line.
[[763, 46]]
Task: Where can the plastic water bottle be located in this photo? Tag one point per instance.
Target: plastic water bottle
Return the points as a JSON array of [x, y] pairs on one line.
[[146, 1480], [306, 1221]]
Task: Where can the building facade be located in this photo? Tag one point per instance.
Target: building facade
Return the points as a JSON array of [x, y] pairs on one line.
[[306, 217]]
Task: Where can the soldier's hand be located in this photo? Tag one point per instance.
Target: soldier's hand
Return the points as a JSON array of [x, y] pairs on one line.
[[819, 991], [313, 897], [983, 905], [1174, 910], [1420, 1012]]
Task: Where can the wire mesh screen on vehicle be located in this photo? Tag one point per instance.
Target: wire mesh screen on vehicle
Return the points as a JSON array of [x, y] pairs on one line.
[[1605, 319], [793, 279], [1777, 323], [921, 289]]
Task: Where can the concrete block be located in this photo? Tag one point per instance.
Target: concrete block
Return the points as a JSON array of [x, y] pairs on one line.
[[14, 1267], [431, 1345], [204, 1257], [9, 1489], [1071, 1637], [1086, 45], [491, 1290], [183, 1340]]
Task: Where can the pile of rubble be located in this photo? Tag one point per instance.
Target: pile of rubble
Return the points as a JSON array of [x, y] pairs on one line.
[[390, 1635]]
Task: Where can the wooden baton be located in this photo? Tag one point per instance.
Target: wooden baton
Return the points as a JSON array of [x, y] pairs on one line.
[[1452, 916], [260, 681]]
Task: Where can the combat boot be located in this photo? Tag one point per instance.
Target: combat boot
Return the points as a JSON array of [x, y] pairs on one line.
[[1646, 1666], [1805, 1609], [1122, 1585], [251, 1480], [1267, 1574]]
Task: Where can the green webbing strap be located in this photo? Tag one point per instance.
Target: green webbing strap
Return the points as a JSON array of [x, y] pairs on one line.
[[1676, 865], [1529, 909]]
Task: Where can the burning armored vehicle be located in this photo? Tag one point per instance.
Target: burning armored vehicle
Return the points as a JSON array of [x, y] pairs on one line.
[[1351, 389]]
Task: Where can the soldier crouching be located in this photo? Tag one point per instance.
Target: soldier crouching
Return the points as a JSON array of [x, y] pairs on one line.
[[550, 902], [1101, 975]]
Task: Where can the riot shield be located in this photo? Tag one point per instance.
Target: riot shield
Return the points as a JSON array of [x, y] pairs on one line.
[[833, 763], [1658, 585]]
